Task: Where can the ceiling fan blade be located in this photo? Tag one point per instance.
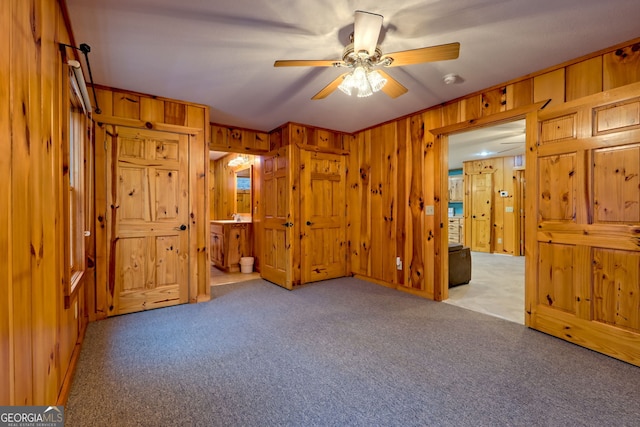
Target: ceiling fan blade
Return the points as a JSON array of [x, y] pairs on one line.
[[366, 30], [426, 54], [306, 63], [328, 89], [392, 88]]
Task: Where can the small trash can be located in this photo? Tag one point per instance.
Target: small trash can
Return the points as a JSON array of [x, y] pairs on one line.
[[246, 264]]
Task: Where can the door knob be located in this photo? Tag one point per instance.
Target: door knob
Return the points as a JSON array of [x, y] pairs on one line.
[[309, 223], [181, 228], [288, 224]]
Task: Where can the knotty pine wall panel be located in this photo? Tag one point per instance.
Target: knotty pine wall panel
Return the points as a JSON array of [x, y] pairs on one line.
[[21, 199], [412, 212], [38, 344], [572, 80], [621, 66], [238, 140], [494, 101], [6, 306], [152, 110], [175, 113], [549, 86], [198, 118], [519, 94], [584, 78], [383, 197], [224, 183], [126, 105], [403, 181], [451, 113], [44, 194], [359, 204], [430, 177]]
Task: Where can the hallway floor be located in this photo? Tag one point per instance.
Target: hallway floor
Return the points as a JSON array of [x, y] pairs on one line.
[[496, 287]]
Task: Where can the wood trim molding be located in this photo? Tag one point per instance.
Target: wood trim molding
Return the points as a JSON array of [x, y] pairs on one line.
[[317, 149], [491, 119], [140, 124]]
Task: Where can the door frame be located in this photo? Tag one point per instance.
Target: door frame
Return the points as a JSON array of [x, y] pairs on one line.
[[529, 113]]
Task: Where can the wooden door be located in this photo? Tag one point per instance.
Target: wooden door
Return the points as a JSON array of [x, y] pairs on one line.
[[481, 209], [147, 193], [278, 220], [322, 203], [583, 222]]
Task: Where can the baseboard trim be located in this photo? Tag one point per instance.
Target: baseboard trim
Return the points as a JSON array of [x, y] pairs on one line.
[[65, 388]]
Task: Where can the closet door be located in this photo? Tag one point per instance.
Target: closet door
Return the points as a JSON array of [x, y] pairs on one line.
[[322, 204], [147, 197]]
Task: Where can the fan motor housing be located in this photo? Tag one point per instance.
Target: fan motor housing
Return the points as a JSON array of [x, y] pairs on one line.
[[350, 57]]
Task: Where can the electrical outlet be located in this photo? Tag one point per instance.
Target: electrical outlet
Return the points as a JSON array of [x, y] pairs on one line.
[[508, 209], [429, 210], [499, 240]]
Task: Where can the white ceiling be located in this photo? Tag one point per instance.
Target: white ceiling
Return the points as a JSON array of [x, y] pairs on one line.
[[221, 52], [505, 139]]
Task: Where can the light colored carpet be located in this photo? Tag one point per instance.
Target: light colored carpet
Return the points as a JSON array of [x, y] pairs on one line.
[[496, 287]]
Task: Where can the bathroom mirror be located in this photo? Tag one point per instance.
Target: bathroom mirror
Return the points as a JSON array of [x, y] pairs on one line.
[[243, 190]]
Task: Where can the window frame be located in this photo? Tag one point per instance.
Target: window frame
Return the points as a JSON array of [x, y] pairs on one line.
[[75, 137]]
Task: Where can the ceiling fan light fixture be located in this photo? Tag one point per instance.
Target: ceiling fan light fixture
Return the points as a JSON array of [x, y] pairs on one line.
[[347, 84], [363, 82], [362, 55], [376, 80]]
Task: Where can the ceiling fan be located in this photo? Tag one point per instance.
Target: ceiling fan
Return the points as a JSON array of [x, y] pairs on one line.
[[364, 58]]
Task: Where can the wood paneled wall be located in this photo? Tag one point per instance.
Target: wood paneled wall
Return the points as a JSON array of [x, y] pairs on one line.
[[223, 188], [307, 137], [238, 140], [391, 181], [505, 235], [39, 334], [395, 169], [137, 110]]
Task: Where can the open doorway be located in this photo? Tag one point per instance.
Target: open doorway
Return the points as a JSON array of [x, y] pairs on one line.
[[485, 215], [231, 228]]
